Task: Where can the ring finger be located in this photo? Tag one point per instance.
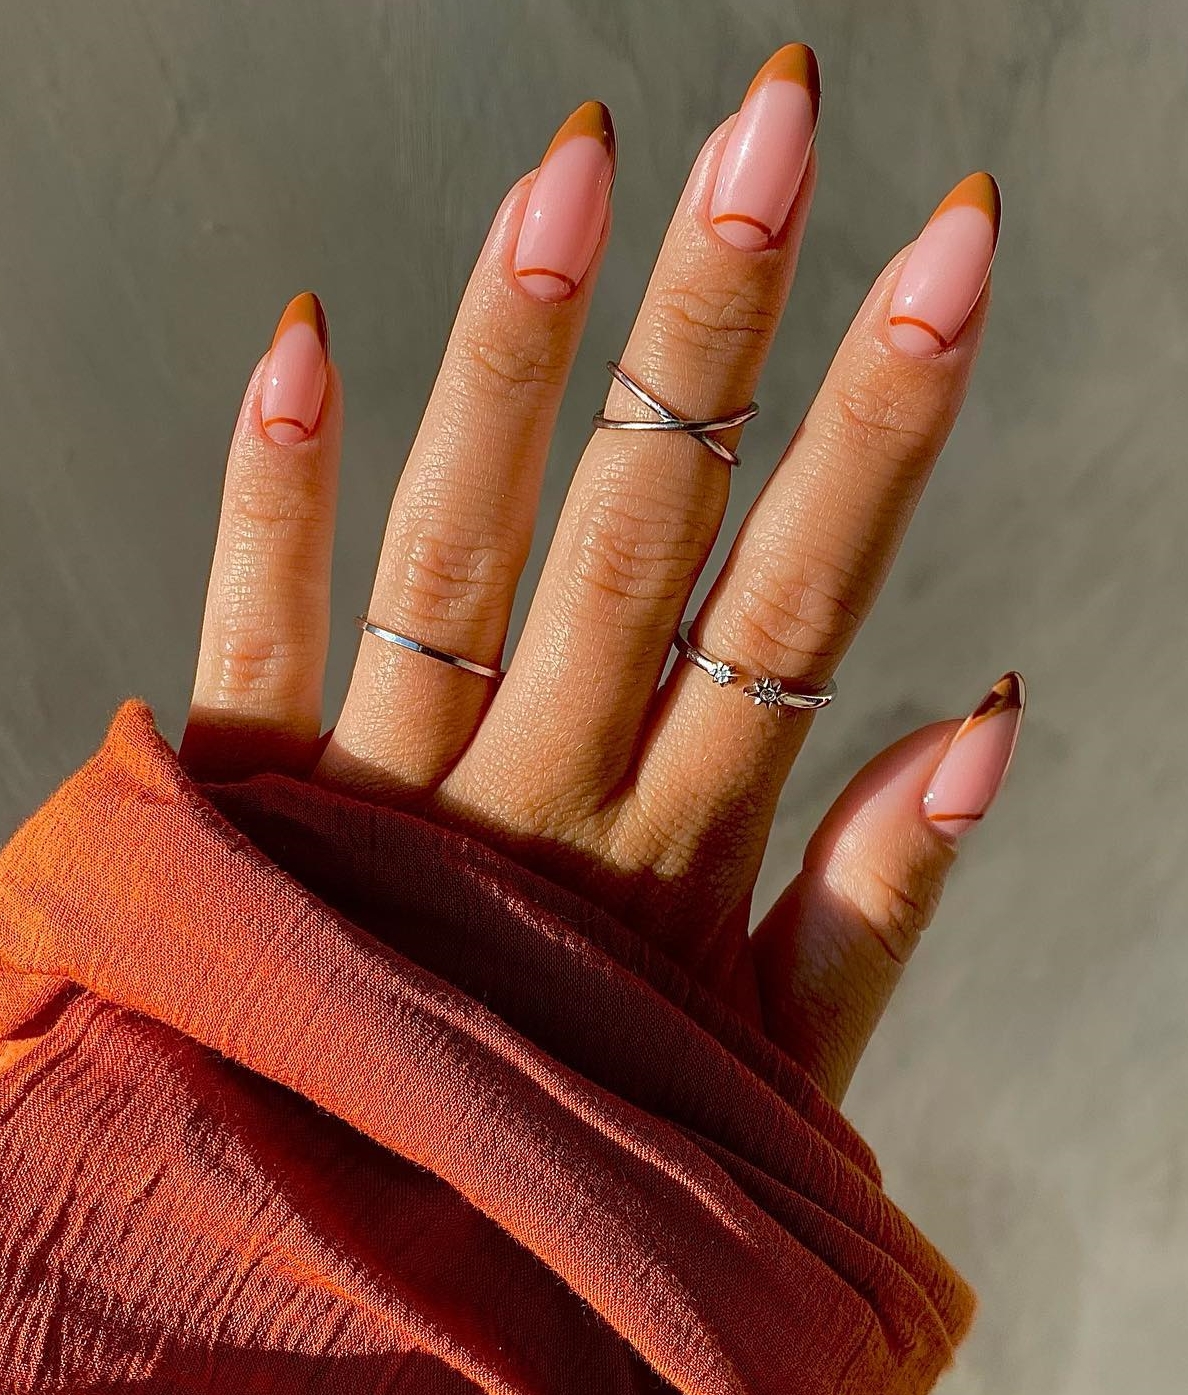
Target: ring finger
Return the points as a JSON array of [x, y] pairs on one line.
[[811, 556]]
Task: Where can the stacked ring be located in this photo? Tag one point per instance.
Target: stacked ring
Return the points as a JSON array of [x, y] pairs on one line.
[[669, 420], [766, 690]]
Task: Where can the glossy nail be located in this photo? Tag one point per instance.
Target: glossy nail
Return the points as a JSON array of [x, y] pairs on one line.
[[972, 768], [567, 205], [295, 377], [946, 269], [767, 150]]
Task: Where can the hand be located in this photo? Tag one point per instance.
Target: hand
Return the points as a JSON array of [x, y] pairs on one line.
[[654, 800]]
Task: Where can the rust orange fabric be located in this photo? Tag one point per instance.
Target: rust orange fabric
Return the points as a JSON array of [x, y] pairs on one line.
[[298, 1093]]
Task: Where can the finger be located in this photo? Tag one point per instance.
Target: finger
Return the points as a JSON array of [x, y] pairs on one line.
[[812, 554], [831, 950], [257, 698], [644, 507], [461, 521]]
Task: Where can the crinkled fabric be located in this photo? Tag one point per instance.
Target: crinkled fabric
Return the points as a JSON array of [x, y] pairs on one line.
[[301, 1093]]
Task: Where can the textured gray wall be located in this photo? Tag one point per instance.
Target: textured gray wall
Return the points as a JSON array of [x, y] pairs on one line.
[[172, 172]]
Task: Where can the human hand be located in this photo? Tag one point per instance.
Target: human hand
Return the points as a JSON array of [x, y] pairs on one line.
[[654, 800]]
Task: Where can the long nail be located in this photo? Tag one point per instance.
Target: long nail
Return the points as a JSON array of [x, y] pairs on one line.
[[768, 149], [971, 770], [946, 269], [567, 205], [295, 377]]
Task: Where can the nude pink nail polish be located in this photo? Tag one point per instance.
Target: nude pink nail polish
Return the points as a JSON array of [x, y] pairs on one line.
[[295, 375], [767, 150], [972, 768], [946, 269], [567, 205]]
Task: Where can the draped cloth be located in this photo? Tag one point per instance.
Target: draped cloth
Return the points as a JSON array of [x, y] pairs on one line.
[[301, 1093]]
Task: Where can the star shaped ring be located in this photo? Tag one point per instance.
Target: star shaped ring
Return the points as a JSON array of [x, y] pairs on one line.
[[765, 690]]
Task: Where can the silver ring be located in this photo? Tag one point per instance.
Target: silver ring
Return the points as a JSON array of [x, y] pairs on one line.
[[769, 691], [418, 648], [670, 421]]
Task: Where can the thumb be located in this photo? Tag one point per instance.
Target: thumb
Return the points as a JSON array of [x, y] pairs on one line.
[[830, 951]]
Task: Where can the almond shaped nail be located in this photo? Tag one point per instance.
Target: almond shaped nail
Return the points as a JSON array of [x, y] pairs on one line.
[[767, 151], [295, 375], [971, 771], [946, 269], [566, 205]]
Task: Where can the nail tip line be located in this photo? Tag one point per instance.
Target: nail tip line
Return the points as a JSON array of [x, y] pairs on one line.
[[593, 118], [304, 308]]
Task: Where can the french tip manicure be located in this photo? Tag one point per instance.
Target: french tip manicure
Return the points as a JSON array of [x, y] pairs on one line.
[[793, 63], [1008, 693], [567, 204], [975, 762], [295, 376], [978, 190], [944, 273], [592, 118], [305, 308], [767, 151]]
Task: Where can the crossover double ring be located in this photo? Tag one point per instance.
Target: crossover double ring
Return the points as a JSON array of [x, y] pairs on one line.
[[406, 642], [670, 421], [763, 688]]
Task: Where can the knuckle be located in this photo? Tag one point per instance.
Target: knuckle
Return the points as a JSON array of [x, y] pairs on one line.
[[517, 370], [803, 611], [715, 320], [255, 659], [461, 573], [630, 550], [275, 510], [877, 419], [898, 915]]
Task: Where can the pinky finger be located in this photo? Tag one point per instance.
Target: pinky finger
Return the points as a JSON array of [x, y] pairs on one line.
[[257, 695], [830, 951]]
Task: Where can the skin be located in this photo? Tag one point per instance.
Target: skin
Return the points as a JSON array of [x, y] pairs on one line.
[[599, 792]]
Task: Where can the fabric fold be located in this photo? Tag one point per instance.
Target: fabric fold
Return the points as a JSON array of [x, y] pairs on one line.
[[299, 1092]]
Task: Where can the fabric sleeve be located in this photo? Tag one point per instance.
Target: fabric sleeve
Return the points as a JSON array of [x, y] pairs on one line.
[[302, 1093]]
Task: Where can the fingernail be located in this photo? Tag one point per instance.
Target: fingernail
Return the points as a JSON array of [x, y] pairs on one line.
[[567, 205], [295, 377], [767, 150], [946, 269], [972, 768]]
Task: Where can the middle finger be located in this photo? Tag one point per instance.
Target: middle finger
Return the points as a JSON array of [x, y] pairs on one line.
[[644, 508]]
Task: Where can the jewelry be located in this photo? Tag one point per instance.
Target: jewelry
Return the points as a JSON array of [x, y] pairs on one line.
[[670, 421], [417, 647], [768, 691]]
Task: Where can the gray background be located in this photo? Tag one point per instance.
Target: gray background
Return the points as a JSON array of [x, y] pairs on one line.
[[171, 173]]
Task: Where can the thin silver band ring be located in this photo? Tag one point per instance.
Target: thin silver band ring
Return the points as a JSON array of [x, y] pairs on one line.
[[670, 421], [766, 690], [417, 647]]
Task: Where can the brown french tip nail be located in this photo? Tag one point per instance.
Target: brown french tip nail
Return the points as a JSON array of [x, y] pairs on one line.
[[295, 378], [590, 119], [943, 275], [979, 190], [566, 206], [793, 63], [971, 771], [766, 154]]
